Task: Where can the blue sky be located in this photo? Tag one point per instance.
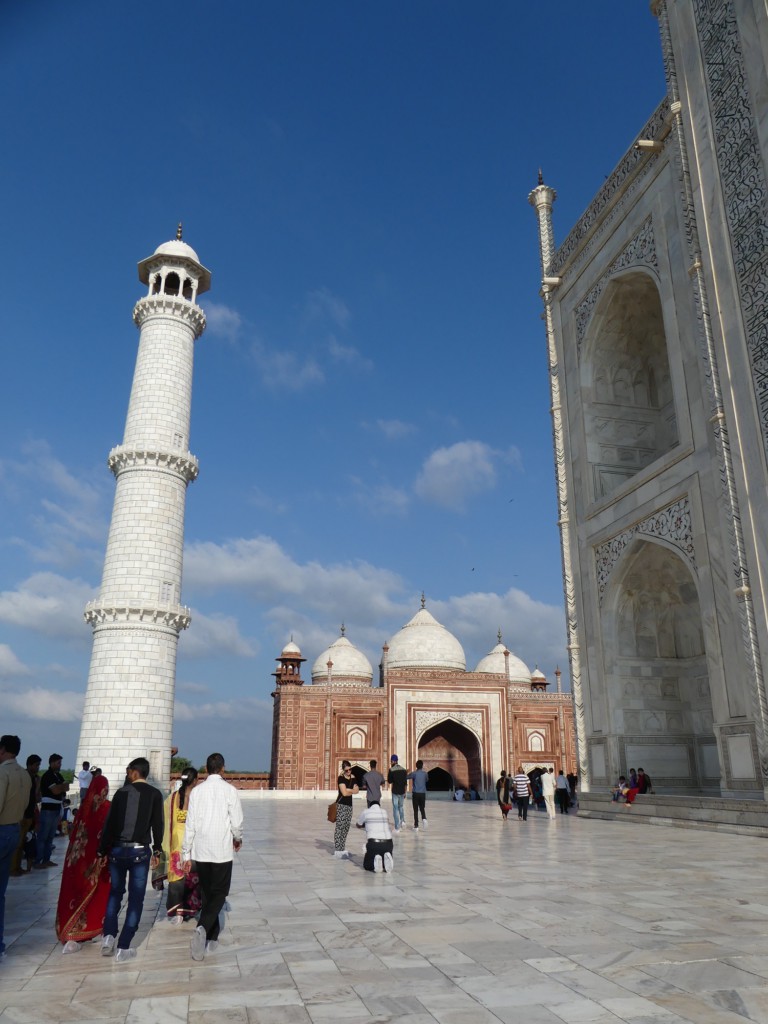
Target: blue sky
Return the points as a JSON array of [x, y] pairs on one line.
[[370, 407]]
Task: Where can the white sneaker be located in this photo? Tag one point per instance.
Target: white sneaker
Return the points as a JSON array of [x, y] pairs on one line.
[[212, 946], [415, 828], [424, 822], [177, 919], [71, 947], [339, 853], [197, 945], [389, 864], [108, 945], [378, 864], [124, 955]]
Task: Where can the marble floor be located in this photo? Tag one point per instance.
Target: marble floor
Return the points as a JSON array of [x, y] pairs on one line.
[[545, 922]]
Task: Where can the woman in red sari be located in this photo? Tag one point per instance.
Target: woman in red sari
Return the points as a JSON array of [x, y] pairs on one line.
[[84, 880]]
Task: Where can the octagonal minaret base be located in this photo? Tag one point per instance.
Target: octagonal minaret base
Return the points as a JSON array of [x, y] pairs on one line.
[[137, 618]]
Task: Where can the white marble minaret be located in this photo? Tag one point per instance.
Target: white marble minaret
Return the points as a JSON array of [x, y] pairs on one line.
[[138, 616]]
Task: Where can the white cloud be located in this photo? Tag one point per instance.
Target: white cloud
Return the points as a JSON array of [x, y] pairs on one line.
[[452, 475], [49, 604], [192, 688], [348, 355], [212, 635], [382, 500], [238, 710], [10, 665], [285, 370], [260, 567], [223, 321], [395, 430], [323, 304], [44, 705]]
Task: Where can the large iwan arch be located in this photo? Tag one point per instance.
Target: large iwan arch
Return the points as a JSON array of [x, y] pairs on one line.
[[455, 749], [658, 692]]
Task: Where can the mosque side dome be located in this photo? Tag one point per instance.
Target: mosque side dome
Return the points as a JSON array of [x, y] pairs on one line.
[[425, 643], [349, 664], [290, 649], [519, 674], [538, 674]]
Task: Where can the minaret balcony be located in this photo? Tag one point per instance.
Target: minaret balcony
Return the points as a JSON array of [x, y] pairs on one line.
[[175, 617], [123, 459], [169, 305]]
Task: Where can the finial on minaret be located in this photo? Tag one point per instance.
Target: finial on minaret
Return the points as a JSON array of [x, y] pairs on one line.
[[178, 229], [343, 629], [423, 600], [499, 634], [541, 178]]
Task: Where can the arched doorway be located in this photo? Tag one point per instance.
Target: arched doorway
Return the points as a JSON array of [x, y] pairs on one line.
[[454, 749], [656, 669], [439, 780]]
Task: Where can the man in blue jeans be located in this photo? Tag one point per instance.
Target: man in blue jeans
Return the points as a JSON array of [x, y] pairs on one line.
[[53, 789], [132, 840], [14, 794], [398, 783]]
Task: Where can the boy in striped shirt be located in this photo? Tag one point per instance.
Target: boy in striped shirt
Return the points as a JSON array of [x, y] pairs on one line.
[[522, 792]]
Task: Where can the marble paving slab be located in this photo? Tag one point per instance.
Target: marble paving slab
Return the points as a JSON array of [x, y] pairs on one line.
[[480, 923]]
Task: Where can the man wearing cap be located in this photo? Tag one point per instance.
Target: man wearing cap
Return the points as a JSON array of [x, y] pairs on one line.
[[398, 783]]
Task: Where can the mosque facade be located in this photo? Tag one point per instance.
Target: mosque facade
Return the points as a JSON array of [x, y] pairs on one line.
[[656, 313], [465, 725]]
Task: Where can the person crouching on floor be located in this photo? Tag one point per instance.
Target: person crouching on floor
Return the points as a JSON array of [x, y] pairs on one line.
[[378, 849]]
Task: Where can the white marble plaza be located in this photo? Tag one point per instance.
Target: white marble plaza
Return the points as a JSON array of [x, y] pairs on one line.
[[571, 921]]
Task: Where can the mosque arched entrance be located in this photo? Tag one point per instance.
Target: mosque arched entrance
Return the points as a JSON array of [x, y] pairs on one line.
[[456, 750], [658, 691]]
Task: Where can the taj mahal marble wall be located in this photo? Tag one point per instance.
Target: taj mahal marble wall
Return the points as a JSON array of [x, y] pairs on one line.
[[657, 320]]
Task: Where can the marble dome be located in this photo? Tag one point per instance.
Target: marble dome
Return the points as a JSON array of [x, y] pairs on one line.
[[519, 673], [177, 248], [538, 675], [424, 643], [348, 663], [290, 649]]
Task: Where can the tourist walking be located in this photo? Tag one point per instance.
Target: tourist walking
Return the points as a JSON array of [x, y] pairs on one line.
[[379, 848], [502, 794], [213, 835], [183, 900], [397, 780], [14, 795], [419, 779], [85, 880], [84, 777], [132, 840], [347, 788], [562, 792], [548, 791], [373, 780], [522, 792]]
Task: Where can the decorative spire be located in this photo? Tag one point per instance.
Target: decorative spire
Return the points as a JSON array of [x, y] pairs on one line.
[[178, 230], [343, 629], [541, 177], [423, 600], [499, 634]]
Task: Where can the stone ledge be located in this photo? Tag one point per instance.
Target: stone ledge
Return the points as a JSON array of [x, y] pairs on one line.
[[169, 305], [715, 814], [124, 458], [175, 617]]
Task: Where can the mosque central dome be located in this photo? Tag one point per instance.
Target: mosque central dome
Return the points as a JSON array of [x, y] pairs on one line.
[[425, 643]]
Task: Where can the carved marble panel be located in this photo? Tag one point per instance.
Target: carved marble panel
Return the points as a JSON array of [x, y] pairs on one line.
[[472, 720]]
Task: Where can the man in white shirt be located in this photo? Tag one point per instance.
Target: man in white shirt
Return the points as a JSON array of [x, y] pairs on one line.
[[548, 791], [84, 778], [214, 833], [378, 849]]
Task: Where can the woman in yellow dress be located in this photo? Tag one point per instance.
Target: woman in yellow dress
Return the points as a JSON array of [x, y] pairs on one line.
[[183, 890]]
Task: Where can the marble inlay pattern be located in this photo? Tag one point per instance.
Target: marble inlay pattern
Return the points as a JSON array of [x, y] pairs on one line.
[[672, 524], [472, 720], [446, 939]]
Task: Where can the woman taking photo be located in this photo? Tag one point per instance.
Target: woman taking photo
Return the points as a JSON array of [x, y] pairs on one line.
[[347, 789]]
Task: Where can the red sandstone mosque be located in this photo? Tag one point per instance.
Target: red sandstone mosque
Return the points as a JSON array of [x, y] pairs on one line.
[[465, 726]]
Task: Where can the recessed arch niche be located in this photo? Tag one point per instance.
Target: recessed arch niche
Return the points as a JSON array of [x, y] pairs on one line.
[[656, 672], [455, 749], [629, 406]]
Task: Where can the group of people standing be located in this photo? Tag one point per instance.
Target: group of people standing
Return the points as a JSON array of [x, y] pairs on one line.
[[379, 846], [188, 840], [517, 790]]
